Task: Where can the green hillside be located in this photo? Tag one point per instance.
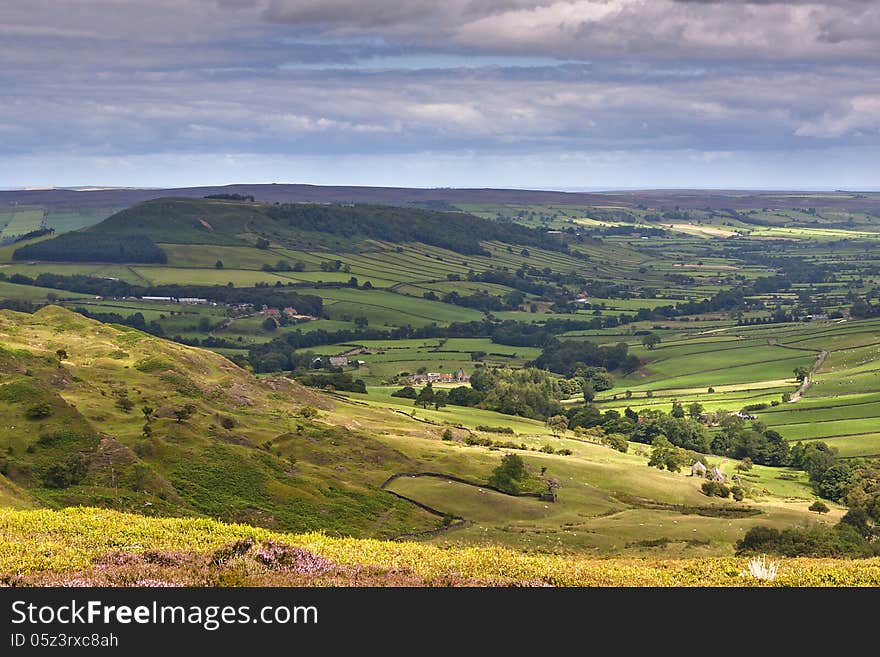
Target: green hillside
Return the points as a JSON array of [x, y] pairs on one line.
[[217, 442], [102, 415], [236, 223]]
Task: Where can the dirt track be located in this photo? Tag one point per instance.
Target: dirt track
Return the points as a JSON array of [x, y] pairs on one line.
[[820, 361]]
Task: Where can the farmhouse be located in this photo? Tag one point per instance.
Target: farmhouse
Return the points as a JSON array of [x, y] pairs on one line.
[[435, 377], [441, 377]]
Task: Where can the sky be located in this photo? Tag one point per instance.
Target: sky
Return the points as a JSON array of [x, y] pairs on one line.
[[539, 94]]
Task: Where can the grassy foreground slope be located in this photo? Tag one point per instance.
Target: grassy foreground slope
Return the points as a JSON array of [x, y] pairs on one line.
[[105, 415], [99, 547]]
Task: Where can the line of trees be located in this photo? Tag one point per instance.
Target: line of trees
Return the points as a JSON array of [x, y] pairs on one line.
[[93, 247]]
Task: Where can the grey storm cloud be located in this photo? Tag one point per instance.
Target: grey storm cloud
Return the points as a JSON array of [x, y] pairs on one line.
[[318, 77], [601, 28]]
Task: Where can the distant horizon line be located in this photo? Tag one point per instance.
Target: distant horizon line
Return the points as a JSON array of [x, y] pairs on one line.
[[573, 190]]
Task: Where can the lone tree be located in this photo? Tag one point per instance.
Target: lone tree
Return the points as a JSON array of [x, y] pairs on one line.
[[801, 373], [650, 340], [677, 409], [589, 392], [426, 396], [665, 455], [819, 507], [508, 476], [745, 465], [695, 410], [557, 424], [441, 399]]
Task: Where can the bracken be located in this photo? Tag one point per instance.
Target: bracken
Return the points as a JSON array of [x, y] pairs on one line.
[[43, 547]]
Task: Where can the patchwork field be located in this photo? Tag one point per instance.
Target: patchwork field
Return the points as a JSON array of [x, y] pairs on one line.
[[767, 312], [748, 366]]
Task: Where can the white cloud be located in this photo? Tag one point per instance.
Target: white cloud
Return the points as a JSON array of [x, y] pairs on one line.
[[858, 115]]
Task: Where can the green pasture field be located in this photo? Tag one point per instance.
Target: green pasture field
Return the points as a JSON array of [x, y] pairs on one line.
[[588, 514], [233, 257], [249, 330], [35, 294], [410, 264], [151, 310], [844, 383], [714, 370], [380, 396], [810, 403], [254, 325], [828, 428], [335, 277], [435, 346], [628, 305], [387, 359], [865, 445], [159, 275], [841, 408], [473, 502], [318, 324], [386, 308], [845, 362], [820, 234], [732, 400], [25, 219], [533, 318], [20, 221], [32, 270], [64, 221], [462, 287]]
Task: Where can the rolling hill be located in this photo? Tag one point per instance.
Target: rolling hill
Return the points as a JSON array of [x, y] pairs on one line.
[[135, 232], [103, 415]]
